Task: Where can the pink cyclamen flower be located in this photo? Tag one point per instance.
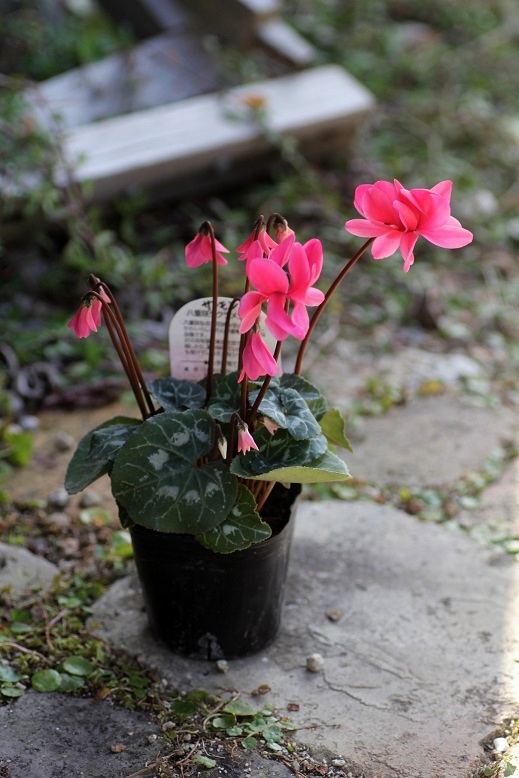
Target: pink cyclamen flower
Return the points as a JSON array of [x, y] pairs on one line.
[[271, 282], [245, 439], [282, 230], [256, 359], [88, 318], [200, 250], [396, 217], [270, 425], [286, 294], [266, 244]]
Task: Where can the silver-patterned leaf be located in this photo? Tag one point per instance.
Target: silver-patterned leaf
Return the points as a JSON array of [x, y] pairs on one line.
[[242, 527], [323, 470], [290, 411], [163, 480], [86, 466], [277, 451], [174, 394]]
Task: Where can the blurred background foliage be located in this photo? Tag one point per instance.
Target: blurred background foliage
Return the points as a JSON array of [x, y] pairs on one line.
[[445, 76]]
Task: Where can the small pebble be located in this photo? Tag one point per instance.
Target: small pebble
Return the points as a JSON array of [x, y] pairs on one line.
[[89, 499], [334, 615], [500, 744], [14, 404], [29, 423], [167, 726], [222, 666], [58, 519], [63, 441], [152, 738], [59, 498], [69, 546], [315, 663], [339, 762]]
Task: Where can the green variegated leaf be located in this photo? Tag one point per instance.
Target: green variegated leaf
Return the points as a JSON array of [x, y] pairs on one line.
[[324, 469], [277, 451], [124, 517], [93, 459], [242, 527], [289, 410], [174, 394], [225, 398], [158, 481], [106, 442], [315, 400], [332, 425]]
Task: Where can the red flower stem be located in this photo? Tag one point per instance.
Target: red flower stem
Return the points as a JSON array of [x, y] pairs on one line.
[[114, 330], [230, 440], [266, 491], [244, 397], [214, 312], [258, 225], [273, 218], [125, 339], [313, 321], [225, 347], [253, 411]]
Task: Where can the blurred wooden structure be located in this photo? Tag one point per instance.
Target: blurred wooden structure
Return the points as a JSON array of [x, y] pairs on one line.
[[168, 116]]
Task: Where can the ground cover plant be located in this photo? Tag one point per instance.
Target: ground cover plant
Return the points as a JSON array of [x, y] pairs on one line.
[[445, 76]]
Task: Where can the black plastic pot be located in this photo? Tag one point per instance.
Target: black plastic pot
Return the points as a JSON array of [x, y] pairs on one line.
[[209, 605]]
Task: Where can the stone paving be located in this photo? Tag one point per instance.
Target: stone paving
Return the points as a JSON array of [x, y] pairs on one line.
[[421, 666]]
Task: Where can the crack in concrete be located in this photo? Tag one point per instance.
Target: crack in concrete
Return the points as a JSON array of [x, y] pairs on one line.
[[365, 703]]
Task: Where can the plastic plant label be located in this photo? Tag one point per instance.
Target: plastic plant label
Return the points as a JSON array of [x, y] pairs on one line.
[[189, 336]]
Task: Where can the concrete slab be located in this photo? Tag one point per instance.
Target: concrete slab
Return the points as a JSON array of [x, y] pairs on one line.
[[21, 570], [56, 736], [419, 669], [429, 442], [349, 369], [499, 507]]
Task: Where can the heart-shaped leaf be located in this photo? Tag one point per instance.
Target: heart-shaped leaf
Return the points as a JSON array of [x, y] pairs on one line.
[[78, 665], [174, 394], [11, 691], [242, 527], [290, 411], [9, 674], [162, 480], [277, 451], [332, 426], [84, 468], [225, 398], [314, 399], [46, 680], [324, 469]]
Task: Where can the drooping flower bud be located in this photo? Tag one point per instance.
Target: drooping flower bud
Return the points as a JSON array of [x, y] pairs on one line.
[[245, 440]]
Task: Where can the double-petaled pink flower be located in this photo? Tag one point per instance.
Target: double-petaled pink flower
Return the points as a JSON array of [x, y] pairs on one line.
[[256, 359], [396, 217], [88, 318], [200, 250], [285, 294]]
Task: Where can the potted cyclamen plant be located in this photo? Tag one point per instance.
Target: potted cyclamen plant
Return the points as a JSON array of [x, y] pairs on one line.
[[206, 481]]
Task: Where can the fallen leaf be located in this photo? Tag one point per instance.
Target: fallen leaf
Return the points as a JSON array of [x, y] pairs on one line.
[[262, 689]]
